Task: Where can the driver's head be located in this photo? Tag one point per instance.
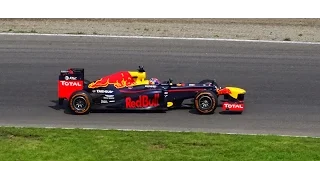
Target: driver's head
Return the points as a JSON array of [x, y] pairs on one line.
[[154, 81]]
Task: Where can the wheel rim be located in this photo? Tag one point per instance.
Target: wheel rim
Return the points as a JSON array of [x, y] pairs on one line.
[[79, 103], [205, 102]]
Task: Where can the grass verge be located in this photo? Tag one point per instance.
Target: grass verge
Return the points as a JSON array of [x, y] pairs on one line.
[[28, 144]]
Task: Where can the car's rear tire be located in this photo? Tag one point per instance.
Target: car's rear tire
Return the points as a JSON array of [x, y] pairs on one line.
[[80, 102], [206, 102]]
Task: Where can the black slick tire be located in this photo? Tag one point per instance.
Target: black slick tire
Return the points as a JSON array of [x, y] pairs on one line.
[[80, 103], [205, 102]]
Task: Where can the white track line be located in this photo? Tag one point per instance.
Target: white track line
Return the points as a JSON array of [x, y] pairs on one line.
[[169, 38], [140, 130]]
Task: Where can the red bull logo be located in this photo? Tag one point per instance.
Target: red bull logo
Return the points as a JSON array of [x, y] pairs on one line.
[[119, 80], [143, 102]]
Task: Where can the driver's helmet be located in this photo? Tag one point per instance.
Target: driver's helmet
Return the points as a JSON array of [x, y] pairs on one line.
[[154, 81]]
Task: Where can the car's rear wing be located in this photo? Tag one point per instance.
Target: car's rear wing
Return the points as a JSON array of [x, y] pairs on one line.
[[70, 81]]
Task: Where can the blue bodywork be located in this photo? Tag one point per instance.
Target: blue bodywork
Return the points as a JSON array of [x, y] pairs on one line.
[[112, 98]]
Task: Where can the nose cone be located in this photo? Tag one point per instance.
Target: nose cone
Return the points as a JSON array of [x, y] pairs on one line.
[[236, 90]]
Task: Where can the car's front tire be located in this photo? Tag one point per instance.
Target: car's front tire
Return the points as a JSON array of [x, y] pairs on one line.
[[205, 102]]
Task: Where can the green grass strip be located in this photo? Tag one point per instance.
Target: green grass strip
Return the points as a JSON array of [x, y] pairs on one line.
[[28, 144]]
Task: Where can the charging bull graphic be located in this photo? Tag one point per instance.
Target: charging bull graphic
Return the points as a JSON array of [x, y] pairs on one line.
[[119, 80]]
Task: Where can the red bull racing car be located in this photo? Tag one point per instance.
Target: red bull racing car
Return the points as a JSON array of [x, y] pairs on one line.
[[131, 90]]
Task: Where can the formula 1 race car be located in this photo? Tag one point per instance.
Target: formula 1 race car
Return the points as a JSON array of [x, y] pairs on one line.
[[130, 90]]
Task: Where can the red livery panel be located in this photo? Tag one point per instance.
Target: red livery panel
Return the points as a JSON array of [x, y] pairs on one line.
[[229, 106], [66, 88]]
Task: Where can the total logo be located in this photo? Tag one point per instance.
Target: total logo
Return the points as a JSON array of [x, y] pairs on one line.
[[143, 102], [65, 83], [70, 78], [232, 106]]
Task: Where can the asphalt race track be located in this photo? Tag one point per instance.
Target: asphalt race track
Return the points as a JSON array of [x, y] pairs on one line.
[[282, 82]]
